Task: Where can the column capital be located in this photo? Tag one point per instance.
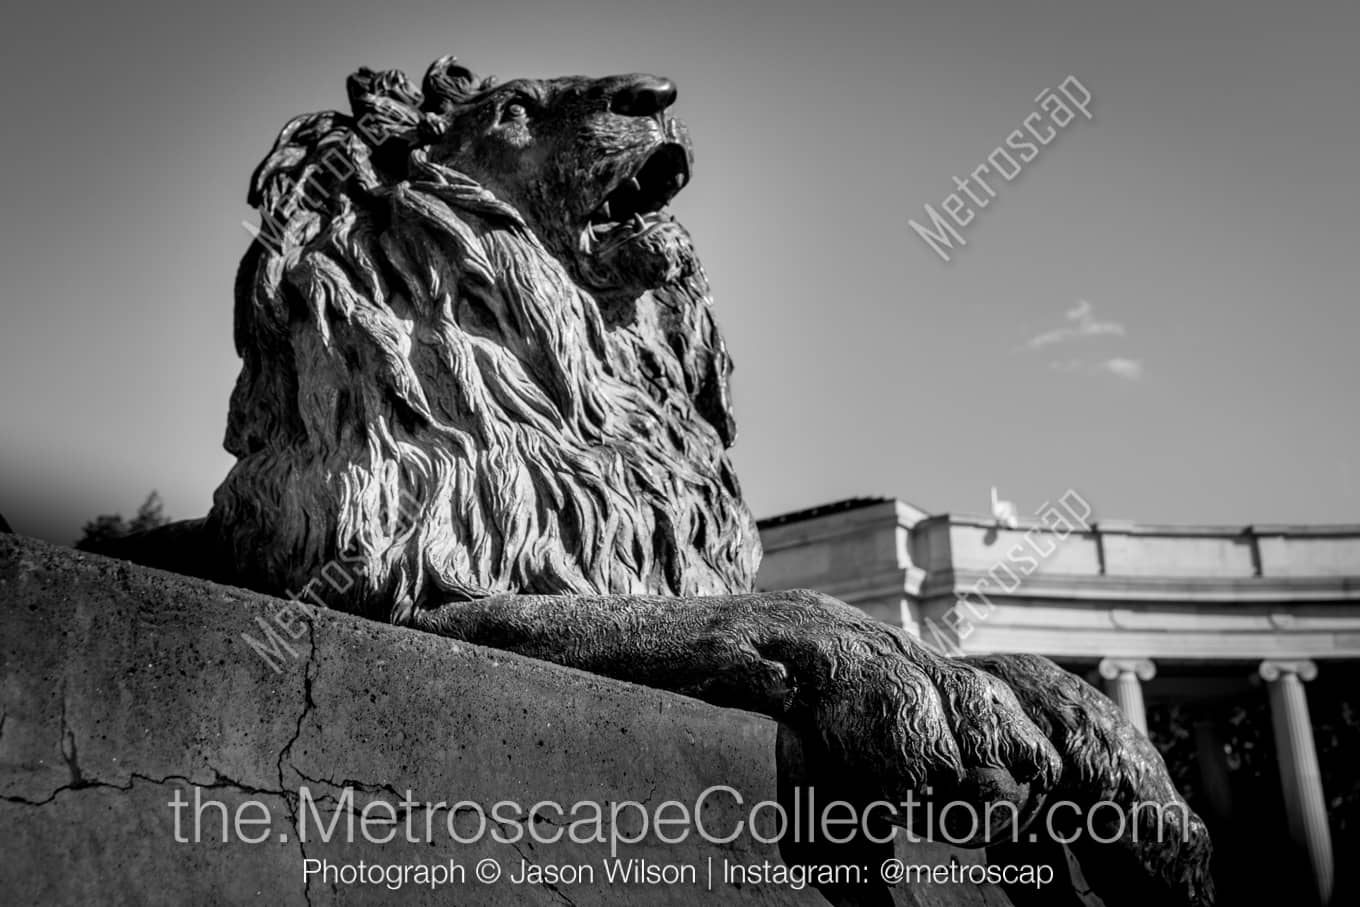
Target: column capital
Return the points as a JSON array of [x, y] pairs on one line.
[[1142, 668], [1273, 669]]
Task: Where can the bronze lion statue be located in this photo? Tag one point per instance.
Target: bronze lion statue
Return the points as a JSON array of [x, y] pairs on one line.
[[479, 361]]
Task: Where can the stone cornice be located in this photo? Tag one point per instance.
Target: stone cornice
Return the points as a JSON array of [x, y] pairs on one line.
[[1095, 587], [1128, 527]]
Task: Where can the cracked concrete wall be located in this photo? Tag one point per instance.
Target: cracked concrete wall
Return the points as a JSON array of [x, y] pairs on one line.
[[122, 688]]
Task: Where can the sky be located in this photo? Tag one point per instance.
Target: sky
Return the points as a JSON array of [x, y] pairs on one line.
[[1158, 311]]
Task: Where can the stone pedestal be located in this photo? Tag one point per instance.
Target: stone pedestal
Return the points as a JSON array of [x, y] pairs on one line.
[[125, 691]]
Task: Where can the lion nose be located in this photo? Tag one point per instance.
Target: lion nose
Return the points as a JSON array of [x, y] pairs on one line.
[[643, 96]]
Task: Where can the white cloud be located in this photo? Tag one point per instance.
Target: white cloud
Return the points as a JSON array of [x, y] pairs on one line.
[[1130, 369], [1082, 323]]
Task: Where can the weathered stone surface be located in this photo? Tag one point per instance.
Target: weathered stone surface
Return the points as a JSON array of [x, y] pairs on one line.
[[123, 685]]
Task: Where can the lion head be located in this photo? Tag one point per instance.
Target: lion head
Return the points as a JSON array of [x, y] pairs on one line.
[[478, 353], [590, 165]]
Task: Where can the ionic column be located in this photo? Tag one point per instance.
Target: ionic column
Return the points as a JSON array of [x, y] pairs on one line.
[[1124, 684], [1299, 773]]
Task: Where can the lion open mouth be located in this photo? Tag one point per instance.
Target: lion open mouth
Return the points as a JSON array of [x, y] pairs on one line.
[[633, 208]]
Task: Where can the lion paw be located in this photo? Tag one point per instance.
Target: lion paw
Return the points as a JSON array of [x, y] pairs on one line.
[[1154, 847], [920, 728]]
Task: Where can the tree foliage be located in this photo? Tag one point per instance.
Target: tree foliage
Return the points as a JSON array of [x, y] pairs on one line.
[[112, 525]]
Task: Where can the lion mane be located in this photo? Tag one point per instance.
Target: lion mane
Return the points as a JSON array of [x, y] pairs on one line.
[[431, 402]]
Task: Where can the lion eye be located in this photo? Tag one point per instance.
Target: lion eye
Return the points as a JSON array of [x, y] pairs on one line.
[[514, 112]]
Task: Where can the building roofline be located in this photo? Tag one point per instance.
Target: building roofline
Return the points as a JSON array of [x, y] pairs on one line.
[[1128, 527], [1123, 527], [812, 513]]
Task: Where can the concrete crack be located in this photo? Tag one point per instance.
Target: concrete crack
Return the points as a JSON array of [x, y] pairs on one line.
[[69, 753], [307, 705], [548, 885], [222, 783]]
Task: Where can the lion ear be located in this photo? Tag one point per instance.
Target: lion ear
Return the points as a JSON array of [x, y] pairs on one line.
[[447, 84], [364, 85], [385, 105]]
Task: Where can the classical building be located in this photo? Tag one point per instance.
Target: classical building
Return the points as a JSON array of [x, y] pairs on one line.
[[1214, 633]]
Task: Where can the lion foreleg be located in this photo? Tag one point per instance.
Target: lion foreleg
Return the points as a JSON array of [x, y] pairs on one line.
[[904, 718]]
